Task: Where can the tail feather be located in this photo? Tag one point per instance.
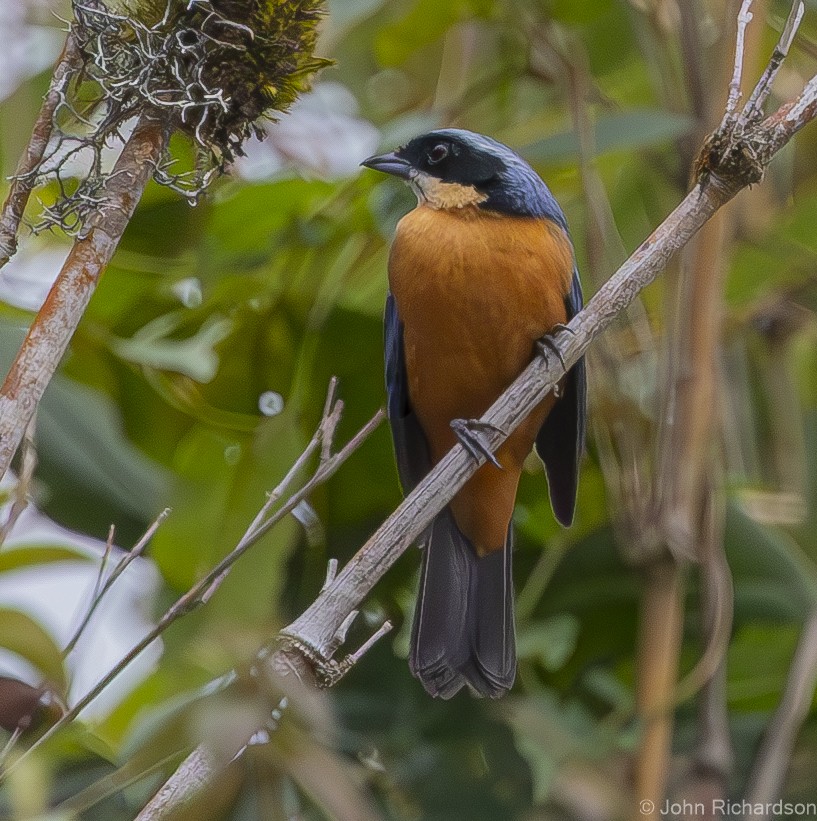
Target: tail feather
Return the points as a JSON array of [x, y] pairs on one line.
[[463, 631], [494, 640]]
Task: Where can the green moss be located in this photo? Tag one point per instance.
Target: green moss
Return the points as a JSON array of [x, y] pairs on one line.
[[215, 67]]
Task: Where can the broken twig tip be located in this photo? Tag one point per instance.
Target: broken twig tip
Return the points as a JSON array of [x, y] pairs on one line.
[[385, 628]]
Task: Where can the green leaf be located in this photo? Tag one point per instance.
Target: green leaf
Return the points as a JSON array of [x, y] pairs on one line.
[[774, 580], [758, 663], [22, 635], [424, 24], [14, 558], [548, 731], [80, 429], [194, 356], [551, 641], [627, 131]]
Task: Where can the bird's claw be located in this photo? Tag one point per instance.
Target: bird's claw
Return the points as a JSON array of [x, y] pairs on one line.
[[547, 343], [470, 433]]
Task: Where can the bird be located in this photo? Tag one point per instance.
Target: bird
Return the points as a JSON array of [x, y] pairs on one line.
[[480, 274]]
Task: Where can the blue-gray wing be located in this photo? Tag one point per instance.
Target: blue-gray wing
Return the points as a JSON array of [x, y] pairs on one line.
[[410, 446], [560, 441]]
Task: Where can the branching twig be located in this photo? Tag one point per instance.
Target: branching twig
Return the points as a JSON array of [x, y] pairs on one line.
[[103, 587], [754, 106], [200, 593], [316, 627], [323, 438], [24, 176]]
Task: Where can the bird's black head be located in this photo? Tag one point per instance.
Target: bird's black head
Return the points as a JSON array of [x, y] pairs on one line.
[[452, 168]]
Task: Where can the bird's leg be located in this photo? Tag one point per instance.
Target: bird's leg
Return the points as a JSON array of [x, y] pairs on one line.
[[471, 434]]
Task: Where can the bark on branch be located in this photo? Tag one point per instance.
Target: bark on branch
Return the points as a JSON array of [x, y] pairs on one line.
[[56, 321]]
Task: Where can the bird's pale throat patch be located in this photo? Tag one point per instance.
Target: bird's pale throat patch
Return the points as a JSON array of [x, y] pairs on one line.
[[445, 195]]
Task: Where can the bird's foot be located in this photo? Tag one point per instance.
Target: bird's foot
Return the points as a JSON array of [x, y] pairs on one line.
[[547, 343], [471, 434]]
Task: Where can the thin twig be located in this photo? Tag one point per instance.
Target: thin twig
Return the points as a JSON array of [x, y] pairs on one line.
[[10, 745], [101, 589], [322, 438], [731, 112], [772, 760], [103, 564], [754, 107], [194, 597], [24, 178], [28, 464]]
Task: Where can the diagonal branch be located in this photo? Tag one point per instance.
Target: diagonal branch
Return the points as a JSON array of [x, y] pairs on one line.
[[201, 592], [725, 174], [55, 323]]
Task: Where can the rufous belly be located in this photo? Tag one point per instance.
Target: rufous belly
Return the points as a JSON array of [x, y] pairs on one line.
[[474, 291]]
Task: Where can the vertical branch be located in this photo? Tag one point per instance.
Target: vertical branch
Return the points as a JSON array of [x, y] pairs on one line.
[[685, 438], [689, 517], [713, 758], [659, 642], [772, 761], [54, 325], [24, 176]]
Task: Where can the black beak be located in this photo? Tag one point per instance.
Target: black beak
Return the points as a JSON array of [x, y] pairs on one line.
[[390, 164]]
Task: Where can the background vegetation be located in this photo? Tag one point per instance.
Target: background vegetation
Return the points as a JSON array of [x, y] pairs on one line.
[[200, 371]]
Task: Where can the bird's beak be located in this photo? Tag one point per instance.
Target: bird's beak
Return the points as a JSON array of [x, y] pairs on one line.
[[390, 164]]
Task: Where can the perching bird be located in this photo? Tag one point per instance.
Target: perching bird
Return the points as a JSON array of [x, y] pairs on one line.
[[479, 272]]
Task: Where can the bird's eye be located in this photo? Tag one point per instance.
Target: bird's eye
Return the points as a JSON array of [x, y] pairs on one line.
[[437, 154]]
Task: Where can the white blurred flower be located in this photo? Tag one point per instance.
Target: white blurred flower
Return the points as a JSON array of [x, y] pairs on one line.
[[57, 596], [322, 135], [28, 276], [28, 47]]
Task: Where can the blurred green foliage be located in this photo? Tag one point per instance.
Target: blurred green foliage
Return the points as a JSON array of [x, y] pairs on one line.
[[157, 404]]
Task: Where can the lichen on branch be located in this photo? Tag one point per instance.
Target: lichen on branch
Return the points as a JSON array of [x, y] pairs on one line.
[[211, 69], [213, 66]]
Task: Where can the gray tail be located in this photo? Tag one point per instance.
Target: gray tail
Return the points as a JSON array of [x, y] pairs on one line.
[[463, 630]]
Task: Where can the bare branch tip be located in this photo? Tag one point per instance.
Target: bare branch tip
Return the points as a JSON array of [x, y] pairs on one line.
[[798, 9], [384, 628], [730, 115], [331, 393], [331, 573], [341, 632]]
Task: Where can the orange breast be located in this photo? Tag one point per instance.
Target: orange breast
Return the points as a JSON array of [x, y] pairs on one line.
[[474, 291]]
